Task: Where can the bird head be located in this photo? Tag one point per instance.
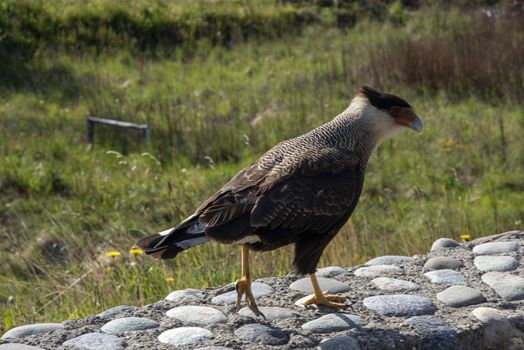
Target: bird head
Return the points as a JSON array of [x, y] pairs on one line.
[[386, 114]]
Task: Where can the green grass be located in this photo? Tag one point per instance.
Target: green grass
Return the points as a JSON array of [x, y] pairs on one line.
[[65, 204]]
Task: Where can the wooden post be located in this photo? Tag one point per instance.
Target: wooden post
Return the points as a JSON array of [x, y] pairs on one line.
[[90, 131]]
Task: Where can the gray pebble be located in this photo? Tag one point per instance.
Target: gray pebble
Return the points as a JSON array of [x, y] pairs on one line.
[[16, 346], [435, 334], [270, 312], [343, 342], [400, 305], [185, 295], [334, 323], [259, 289], [326, 284], [488, 314], [201, 315], [428, 324], [116, 311], [486, 263], [377, 271], [508, 286], [389, 260], [444, 243], [495, 248], [96, 341], [498, 329], [183, 336], [441, 263], [330, 271], [446, 277], [394, 284], [458, 296], [32, 329], [127, 324], [258, 333], [214, 348]]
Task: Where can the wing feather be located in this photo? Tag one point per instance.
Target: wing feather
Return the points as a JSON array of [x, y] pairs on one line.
[[306, 192]]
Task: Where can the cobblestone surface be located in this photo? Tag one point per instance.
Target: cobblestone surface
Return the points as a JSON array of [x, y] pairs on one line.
[[458, 296]]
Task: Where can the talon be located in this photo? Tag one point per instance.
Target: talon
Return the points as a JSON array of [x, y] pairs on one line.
[[323, 298], [328, 300], [243, 286]]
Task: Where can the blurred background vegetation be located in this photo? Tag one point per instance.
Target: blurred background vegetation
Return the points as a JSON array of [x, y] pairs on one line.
[[219, 82]]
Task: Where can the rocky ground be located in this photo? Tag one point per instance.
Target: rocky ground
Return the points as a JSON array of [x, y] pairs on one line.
[[459, 296]]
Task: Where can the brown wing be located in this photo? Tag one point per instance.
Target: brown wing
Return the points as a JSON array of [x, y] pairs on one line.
[[309, 191]]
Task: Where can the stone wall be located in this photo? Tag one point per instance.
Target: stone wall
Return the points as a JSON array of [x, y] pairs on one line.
[[458, 296]]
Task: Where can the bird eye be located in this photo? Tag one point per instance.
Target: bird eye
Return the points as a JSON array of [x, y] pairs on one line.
[[394, 110]]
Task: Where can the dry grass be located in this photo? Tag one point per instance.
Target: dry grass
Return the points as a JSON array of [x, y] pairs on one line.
[[474, 54]]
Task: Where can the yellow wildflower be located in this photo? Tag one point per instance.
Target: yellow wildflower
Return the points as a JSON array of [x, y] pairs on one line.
[[113, 253], [465, 237], [170, 280], [136, 251], [447, 143]]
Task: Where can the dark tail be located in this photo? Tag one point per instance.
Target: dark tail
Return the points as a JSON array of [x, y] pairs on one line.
[[167, 244]]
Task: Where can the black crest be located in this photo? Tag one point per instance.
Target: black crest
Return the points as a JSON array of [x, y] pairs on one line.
[[382, 101]]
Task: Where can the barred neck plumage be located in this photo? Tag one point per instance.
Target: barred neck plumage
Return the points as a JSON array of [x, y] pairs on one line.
[[359, 129]]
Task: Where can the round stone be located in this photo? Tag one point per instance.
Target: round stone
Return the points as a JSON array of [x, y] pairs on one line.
[[96, 341], [441, 263], [116, 311], [444, 243], [258, 333], [498, 329], [394, 285], [434, 333], [184, 336], [428, 324], [389, 260], [330, 271], [343, 342], [259, 289], [127, 324], [16, 346], [486, 263], [185, 295], [488, 314], [446, 277], [214, 348], [326, 284], [32, 329], [400, 305], [377, 271], [493, 248], [334, 322], [508, 286], [458, 296], [270, 312], [201, 315]]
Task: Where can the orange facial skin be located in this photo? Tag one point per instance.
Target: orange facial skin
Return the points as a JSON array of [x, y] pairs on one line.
[[403, 115]]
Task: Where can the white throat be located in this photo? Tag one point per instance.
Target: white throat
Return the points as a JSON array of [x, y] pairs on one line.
[[379, 124]]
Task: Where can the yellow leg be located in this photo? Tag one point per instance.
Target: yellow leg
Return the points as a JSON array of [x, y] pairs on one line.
[[243, 285], [319, 298]]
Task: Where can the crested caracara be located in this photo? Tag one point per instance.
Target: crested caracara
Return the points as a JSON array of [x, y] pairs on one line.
[[300, 192]]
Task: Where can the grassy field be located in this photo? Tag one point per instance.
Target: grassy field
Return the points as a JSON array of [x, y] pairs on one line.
[[215, 106]]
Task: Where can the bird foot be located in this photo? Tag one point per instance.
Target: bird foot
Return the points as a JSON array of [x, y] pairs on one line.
[[243, 286], [329, 300]]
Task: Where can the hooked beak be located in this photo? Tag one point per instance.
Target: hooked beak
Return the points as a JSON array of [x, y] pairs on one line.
[[405, 116], [417, 124]]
